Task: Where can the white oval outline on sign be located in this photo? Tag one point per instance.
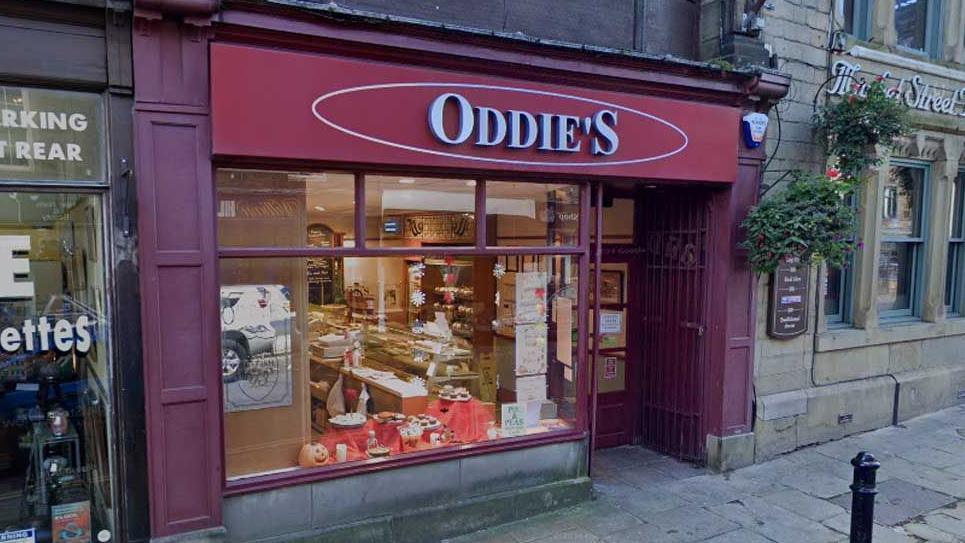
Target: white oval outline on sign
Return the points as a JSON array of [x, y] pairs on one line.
[[373, 139]]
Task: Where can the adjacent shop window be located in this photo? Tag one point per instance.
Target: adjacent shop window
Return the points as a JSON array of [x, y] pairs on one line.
[[855, 17], [956, 248], [398, 352], [55, 402], [537, 214], [902, 240], [918, 24], [410, 211]]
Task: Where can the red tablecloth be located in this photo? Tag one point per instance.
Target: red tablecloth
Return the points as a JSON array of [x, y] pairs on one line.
[[467, 420]]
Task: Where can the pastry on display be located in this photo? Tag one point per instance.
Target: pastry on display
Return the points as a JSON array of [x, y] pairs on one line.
[[425, 422], [389, 417], [348, 420], [312, 454], [455, 394]]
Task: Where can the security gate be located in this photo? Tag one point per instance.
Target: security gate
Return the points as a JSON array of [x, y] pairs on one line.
[[672, 317]]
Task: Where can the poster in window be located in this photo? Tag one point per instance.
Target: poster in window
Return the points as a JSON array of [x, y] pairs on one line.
[[256, 347], [530, 297], [513, 419], [531, 348], [70, 522]]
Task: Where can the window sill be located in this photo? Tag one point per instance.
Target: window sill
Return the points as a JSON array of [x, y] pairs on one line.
[[896, 330], [271, 481]]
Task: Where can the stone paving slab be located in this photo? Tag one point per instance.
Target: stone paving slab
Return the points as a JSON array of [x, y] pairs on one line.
[[899, 501], [801, 497]]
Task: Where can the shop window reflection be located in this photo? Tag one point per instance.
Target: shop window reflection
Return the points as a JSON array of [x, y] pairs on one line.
[[407, 211], [520, 214], [285, 209], [423, 353], [55, 454]]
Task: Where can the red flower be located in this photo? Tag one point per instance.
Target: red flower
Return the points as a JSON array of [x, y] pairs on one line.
[[880, 78], [833, 173]]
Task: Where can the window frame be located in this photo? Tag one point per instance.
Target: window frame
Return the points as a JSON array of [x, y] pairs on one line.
[[934, 29], [842, 316], [860, 18], [917, 243], [955, 259], [581, 251]]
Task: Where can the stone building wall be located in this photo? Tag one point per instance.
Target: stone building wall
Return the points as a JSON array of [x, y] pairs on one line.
[[866, 372]]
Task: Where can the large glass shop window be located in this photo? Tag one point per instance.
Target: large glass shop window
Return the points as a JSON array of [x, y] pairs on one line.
[[401, 354], [55, 408]]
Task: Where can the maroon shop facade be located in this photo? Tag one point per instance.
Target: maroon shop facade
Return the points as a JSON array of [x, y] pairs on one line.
[[372, 256]]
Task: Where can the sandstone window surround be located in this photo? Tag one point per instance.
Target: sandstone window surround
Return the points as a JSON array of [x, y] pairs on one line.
[[943, 156]]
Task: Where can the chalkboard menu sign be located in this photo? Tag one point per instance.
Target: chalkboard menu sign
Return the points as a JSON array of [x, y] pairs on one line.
[[788, 314]]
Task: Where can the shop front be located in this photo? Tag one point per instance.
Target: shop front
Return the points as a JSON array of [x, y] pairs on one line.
[[373, 263], [63, 466]]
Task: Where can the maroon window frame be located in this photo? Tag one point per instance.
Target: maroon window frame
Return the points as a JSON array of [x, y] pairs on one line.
[[581, 431]]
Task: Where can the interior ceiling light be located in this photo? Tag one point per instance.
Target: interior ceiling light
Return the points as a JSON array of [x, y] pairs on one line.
[[319, 208], [471, 183], [407, 181]]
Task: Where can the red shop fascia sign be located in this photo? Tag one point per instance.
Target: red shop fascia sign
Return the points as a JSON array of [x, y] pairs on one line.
[[309, 107]]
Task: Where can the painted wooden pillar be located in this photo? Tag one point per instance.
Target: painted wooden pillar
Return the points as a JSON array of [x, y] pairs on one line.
[[178, 265], [731, 325]]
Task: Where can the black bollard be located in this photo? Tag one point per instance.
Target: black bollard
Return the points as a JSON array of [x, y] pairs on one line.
[[863, 497]]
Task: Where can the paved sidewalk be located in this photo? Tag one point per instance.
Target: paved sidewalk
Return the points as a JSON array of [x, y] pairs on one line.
[[801, 497]]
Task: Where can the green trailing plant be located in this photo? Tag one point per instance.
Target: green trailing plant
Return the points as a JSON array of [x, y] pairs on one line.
[[813, 219], [858, 122], [810, 220]]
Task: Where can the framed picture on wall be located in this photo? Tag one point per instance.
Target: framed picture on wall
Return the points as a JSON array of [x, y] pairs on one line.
[[611, 287]]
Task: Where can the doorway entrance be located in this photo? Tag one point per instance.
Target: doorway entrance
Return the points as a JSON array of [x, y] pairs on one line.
[[652, 321]]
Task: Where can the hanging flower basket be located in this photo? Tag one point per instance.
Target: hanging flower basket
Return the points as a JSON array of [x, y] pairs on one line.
[[810, 220], [855, 124]]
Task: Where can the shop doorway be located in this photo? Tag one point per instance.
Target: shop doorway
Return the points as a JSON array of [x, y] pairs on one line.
[[652, 305]]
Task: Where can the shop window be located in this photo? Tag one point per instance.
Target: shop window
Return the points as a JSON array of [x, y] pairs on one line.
[[956, 249], [283, 209], [918, 24], [331, 356], [899, 264], [55, 403], [417, 353], [521, 214], [406, 211], [855, 17]]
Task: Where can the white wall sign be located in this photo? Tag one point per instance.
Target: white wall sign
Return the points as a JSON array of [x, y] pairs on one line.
[[611, 322], [51, 135]]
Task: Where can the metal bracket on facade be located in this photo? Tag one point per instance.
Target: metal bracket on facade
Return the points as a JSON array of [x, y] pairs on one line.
[[128, 175]]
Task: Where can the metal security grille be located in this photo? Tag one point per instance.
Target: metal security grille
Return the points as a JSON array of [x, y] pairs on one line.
[[674, 292]]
